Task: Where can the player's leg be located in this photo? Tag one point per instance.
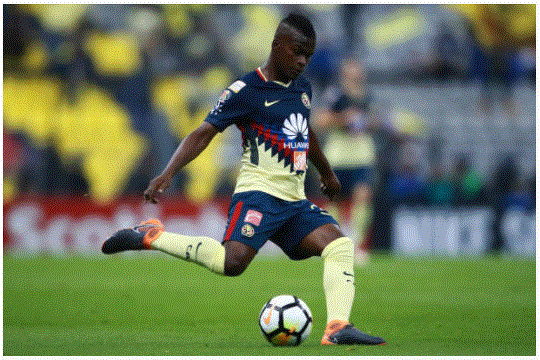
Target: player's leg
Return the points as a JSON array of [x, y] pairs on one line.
[[237, 257], [337, 252], [230, 258], [250, 224]]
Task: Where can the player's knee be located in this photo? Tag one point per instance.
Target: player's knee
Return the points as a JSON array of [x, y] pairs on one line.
[[341, 249], [234, 267], [237, 258]]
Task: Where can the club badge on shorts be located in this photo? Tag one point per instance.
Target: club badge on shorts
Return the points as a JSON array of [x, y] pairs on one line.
[[247, 230], [253, 217]]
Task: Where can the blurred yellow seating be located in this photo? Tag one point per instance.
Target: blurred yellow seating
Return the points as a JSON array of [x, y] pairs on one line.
[[114, 54], [95, 118], [252, 43], [110, 166], [30, 105], [58, 17], [9, 188], [400, 26], [99, 130], [518, 19], [35, 58], [177, 20], [203, 172], [171, 97], [216, 79], [522, 21]]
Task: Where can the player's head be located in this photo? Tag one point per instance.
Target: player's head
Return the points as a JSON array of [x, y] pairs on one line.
[[353, 77], [293, 45]]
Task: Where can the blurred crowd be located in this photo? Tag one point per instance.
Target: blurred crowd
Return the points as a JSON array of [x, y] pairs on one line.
[[97, 97]]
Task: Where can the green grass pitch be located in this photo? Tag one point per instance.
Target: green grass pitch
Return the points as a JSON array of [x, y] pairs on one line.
[[155, 305]]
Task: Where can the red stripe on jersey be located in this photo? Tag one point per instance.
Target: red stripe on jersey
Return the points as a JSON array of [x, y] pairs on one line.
[[234, 220], [261, 74]]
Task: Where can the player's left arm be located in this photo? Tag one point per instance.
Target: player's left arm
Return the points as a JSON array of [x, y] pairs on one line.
[[330, 184]]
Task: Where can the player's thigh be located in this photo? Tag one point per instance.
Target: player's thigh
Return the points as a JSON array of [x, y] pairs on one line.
[[307, 231], [315, 242], [253, 218]]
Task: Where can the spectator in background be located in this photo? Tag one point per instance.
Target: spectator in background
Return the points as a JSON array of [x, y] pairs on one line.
[[346, 123], [518, 198], [439, 189], [504, 179], [531, 188], [406, 185], [469, 188]]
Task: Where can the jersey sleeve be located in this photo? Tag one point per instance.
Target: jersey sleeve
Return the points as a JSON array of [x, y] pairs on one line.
[[231, 107]]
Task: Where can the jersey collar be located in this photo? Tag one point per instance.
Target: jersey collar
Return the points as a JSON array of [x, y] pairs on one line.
[[266, 80]]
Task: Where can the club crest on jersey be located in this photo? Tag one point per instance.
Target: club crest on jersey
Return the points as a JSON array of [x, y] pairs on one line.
[[247, 230], [305, 100]]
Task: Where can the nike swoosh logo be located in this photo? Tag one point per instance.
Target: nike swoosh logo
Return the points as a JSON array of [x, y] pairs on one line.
[[351, 275], [267, 319], [266, 103]]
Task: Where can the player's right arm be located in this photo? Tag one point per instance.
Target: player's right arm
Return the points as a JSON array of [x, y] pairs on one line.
[[191, 147], [230, 108]]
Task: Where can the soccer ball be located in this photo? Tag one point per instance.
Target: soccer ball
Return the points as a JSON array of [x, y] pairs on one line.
[[285, 320]]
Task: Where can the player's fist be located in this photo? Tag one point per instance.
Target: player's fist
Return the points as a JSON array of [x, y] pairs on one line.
[[156, 187]]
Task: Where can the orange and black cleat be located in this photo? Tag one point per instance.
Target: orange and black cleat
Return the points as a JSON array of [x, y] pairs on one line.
[[138, 238], [340, 332]]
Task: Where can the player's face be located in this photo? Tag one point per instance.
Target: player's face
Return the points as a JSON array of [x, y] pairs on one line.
[[296, 51]]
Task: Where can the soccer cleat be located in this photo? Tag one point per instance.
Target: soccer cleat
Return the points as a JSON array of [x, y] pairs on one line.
[[340, 332], [138, 238]]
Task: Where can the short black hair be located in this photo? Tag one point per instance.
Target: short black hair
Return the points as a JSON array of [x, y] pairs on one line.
[[300, 23]]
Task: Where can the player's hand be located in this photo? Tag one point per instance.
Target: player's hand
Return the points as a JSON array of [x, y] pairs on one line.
[[330, 186], [156, 187]]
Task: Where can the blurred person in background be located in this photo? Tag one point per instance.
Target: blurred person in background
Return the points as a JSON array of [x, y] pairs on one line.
[[346, 124], [406, 183], [439, 189], [271, 106], [504, 181], [469, 186]]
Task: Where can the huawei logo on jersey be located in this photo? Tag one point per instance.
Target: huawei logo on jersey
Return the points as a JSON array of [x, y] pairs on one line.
[[296, 130], [295, 126]]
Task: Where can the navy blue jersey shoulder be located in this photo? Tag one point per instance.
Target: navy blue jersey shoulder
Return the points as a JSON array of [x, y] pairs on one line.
[[251, 99]]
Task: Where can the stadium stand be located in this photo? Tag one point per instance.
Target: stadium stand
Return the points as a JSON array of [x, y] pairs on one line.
[[133, 80]]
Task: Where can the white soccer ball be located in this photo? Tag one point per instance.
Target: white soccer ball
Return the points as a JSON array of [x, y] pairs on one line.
[[285, 320]]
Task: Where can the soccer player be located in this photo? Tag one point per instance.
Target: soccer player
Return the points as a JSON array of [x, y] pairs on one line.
[[271, 107], [348, 120]]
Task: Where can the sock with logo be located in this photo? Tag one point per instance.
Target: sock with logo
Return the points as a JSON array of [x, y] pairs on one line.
[[198, 249], [338, 278]]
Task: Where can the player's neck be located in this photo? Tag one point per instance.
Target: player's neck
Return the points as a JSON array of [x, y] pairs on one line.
[[270, 73]]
